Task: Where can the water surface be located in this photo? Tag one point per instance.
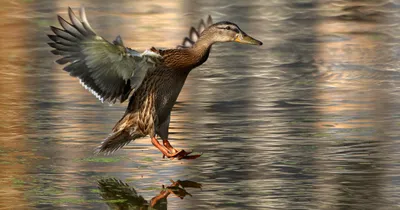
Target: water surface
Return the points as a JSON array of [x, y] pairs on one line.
[[309, 120]]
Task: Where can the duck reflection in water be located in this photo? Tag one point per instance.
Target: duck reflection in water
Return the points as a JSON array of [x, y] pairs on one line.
[[119, 195]]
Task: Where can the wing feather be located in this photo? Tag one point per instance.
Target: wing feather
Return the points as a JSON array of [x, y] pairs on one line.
[[202, 26], [85, 22], [70, 29], [62, 41], [64, 35], [110, 71], [65, 60], [76, 22], [194, 34], [209, 21]]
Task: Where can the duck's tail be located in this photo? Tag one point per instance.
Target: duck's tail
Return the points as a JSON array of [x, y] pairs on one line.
[[115, 141]]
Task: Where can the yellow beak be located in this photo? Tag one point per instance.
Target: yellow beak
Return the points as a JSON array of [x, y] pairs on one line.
[[246, 39]]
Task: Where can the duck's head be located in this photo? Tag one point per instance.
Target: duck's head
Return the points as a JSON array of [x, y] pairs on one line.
[[228, 32]]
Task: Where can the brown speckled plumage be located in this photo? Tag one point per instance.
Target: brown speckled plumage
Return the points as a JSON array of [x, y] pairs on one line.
[[154, 78]]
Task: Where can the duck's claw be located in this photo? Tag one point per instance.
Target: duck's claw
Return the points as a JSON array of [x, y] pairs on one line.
[[170, 152], [182, 154], [188, 157]]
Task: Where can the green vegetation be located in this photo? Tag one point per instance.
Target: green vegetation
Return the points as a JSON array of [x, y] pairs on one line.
[[99, 159], [18, 182], [148, 159], [95, 191]]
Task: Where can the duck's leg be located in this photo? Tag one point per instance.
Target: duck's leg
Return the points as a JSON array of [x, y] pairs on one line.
[[169, 146], [157, 144], [180, 154], [162, 131], [173, 150]]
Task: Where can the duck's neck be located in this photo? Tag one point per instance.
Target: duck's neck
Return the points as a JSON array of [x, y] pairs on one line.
[[199, 52], [189, 58], [202, 48]]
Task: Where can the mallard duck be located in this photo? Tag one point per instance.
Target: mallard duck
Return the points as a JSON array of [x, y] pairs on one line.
[[152, 80]]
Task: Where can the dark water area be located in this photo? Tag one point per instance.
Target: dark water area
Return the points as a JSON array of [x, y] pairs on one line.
[[309, 120]]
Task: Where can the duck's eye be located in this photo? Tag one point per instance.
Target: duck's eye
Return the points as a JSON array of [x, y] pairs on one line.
[[228, 28]]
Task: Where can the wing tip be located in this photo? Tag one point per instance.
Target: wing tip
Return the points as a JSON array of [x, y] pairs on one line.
[[85, 22], [194, 34], [61, 61], [52, 37], [61, 19], [118, 41], [55, 52], [202, 25], [52, 44], [209, 20], [54, 29]]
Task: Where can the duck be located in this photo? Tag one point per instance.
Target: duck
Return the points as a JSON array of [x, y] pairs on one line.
[[151, 80]]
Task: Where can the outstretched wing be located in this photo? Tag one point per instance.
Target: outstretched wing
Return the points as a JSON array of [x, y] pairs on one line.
[[194, 34], [108, 70]]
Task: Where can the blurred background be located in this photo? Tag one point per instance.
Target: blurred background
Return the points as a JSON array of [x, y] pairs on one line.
[[309, 120]]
